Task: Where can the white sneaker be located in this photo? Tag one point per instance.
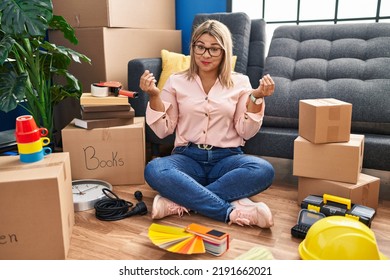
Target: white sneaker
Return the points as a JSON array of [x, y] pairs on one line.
[[247, 212], [163, 207]]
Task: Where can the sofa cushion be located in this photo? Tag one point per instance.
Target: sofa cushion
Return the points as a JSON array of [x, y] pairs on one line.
[[349, 62], [171, 63], [256, 51]]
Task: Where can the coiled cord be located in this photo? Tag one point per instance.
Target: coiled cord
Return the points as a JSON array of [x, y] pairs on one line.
[[113, 208]]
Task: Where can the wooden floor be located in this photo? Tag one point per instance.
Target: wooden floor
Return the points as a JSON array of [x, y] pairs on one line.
[[127, 239]]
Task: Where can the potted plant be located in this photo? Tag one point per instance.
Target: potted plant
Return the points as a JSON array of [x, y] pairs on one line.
[[30, 66]]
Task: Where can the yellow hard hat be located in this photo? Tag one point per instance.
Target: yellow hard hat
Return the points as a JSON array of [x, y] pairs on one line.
[[339, 238]]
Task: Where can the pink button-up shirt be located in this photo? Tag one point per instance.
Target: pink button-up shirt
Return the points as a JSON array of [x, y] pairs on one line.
[[219, 118]]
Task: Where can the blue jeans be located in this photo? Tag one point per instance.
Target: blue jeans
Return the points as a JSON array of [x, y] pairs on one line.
[[206, 181]]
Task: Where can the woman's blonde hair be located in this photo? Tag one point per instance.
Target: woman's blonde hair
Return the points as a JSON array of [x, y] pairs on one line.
[[222, 34]]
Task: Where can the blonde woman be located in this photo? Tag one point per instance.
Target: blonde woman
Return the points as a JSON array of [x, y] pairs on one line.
[[212, 111]]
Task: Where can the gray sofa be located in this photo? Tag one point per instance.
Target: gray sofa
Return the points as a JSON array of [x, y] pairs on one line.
[[349, 62]]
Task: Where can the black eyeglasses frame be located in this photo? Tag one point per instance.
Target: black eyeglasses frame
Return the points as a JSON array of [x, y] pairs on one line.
[[207, 49]]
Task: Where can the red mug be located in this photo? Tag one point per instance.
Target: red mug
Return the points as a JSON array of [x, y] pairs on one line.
[[26, 130], [25, 124], [32, 136]]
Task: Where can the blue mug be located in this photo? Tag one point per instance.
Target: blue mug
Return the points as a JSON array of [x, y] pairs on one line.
[[34, 157]]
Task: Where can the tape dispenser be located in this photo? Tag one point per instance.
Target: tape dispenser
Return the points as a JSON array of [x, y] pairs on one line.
[[104, 89]]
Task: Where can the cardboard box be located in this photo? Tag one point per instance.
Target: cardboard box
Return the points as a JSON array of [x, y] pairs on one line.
[[325, 120], [334, 161], [111, 49], [117, 13], [364, 192], [36, 208], [114, 154]]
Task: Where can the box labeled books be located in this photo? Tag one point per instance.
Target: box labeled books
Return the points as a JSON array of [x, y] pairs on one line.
[[113, 154]]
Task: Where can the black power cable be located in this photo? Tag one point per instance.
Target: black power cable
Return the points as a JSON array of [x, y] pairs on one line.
[[113, 208]]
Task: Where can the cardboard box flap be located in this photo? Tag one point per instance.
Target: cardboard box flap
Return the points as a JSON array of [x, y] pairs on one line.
[[325, 102], [12, 165]]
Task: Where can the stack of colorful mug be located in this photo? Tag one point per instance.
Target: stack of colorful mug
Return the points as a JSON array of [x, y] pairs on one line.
[[31, 140]]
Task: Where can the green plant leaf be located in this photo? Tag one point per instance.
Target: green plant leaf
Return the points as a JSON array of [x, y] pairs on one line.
[[76, 56], [60, 93], [60, 52], [26, 17], [12, 90], [59, 23], [73, 84], [6, 44], [31, 68]]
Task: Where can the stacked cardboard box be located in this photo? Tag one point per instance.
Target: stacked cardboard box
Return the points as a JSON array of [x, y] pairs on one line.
[[113, 32], [36, 208], [327, 157], [114, 154]]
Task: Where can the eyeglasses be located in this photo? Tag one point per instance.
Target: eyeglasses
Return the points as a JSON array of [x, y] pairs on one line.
[[213, 51]]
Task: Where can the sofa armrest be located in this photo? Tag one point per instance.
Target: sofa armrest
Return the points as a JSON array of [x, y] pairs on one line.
[[135, 69]]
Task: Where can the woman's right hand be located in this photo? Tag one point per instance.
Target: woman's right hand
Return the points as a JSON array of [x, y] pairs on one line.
[[147, 84]]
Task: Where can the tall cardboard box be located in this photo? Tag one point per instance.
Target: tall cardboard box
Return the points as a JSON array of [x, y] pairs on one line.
[[111, 49], [36, 208], [325, 120], [113, 154], [153, 14], [364, 192], [332, 161]]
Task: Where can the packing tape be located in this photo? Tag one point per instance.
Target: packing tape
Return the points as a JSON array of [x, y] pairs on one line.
[[99, 91]]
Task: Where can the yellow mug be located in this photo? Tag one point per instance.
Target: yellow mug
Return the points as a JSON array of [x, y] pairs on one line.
[[33, 147]]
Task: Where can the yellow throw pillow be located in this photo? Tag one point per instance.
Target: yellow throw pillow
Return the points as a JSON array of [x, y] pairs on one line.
[[172, 63], [175, 62]]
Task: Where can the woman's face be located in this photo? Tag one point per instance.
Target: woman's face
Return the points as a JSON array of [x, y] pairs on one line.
[[208, 53]]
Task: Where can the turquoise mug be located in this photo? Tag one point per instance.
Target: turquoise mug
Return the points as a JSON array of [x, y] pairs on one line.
[[34, 157]]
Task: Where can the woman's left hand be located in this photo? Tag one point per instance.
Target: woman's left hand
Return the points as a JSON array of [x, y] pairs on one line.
[[266, 87]]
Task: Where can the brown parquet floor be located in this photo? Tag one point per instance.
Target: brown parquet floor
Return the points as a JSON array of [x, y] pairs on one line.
[[127, 239]]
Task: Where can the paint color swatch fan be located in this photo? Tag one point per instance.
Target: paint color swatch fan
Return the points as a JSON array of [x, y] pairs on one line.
[[194, 239], [175, 239]]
